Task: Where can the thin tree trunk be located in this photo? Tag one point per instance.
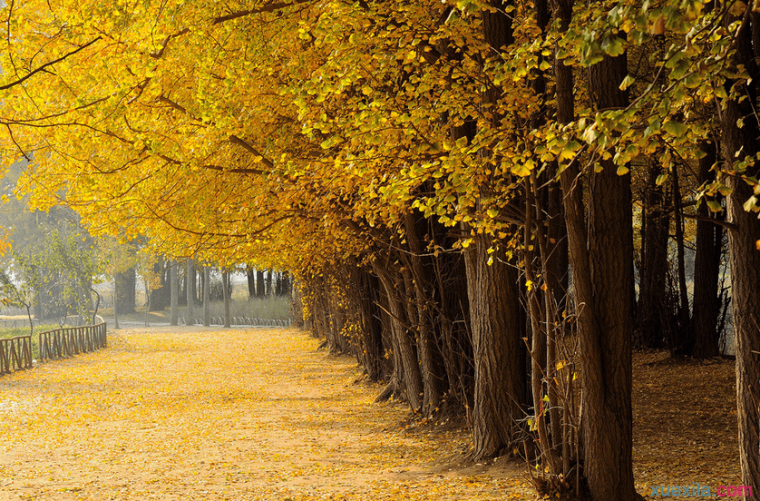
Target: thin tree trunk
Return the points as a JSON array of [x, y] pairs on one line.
[[226, 293], [651, 310], [707, 301], [174, 292], [115, 303], [190, 318], [206, 302], [410, 368], [149, 297], [682, 337]]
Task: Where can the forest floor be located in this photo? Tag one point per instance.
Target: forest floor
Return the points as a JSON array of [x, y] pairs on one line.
[[260, 414]]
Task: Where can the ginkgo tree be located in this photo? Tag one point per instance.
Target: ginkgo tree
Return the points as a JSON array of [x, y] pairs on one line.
[[428, 171]]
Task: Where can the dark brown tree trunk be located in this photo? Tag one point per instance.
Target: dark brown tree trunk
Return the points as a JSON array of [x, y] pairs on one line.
[[602, 277], [606, 333], [707, 299], [260, 291], [371, 350], [226, 293], [287, 284], [251, 274], [419, 283], [737, 143], [190, 273], [498, 326], [681, 339], [651, 310], [174, 291], [206, 290], [126, 283], [455, 328], [411, 376]]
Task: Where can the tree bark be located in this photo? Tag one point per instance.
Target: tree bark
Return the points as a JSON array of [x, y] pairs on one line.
[[251, 275], [190, 317], [226, 294], [681, 339], [498, 326], [409, 372], [260, 291], [738, 143], [206, 302], [115, 304], [707, 300], [174, 292], [651, 310], [602, 277], [126, 282], [606, 328]]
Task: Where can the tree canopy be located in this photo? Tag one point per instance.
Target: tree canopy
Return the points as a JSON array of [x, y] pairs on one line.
[[381, 146]]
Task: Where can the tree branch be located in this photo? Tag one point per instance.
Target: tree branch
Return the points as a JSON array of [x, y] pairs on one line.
[[235, 139], [267, 8], [50, 63]]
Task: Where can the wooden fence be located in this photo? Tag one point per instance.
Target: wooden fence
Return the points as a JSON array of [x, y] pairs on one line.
[[70, 341], [15, 354]]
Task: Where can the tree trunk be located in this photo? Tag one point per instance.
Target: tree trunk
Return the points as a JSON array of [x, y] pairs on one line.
[[251, 275], [707, 300], [260, 292], [602, 277], [269, 283], [206, 302], [174, 292], [149, 295], [681, 338], [498, 326], [409, 372], [420, 285], [115, 304], [190, 317], [126, 282], [652, 308], [607, 317], [738, 143], [226, 293]]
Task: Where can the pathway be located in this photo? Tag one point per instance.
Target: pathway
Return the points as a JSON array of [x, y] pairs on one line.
[[213, 414]]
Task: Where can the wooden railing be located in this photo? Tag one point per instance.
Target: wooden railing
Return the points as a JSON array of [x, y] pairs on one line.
[[15, 354], [70, 341]]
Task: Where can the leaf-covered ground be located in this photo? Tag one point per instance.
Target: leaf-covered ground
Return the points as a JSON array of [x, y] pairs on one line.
[[197, 414], [684, 423]]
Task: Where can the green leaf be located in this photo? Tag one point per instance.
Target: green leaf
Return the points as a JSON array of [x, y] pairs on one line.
[[674, 128], [714, 206], [613, 46]]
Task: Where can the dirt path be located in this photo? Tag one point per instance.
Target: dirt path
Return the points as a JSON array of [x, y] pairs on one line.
[[198, 414]]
